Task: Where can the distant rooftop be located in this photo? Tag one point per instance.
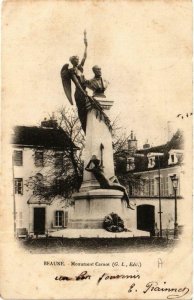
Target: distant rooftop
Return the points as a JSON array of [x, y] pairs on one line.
[[176, 142], [49, 138]]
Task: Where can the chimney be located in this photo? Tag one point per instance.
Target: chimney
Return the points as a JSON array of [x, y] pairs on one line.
[[51, 123], [146, 145], [132, 143]]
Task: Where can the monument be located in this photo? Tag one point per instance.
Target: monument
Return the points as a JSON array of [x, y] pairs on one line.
[[100, 192]]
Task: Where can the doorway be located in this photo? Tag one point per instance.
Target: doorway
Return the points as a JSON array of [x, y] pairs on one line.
[[146, 218], [39, 220]]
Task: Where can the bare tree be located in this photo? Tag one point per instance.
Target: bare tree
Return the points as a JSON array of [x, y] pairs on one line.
[[62, 172], [69, 121], [119, 136], [121, 158]]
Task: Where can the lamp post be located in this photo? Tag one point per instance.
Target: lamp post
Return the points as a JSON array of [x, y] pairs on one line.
[[175, 187], [14, 203], [159, 192]]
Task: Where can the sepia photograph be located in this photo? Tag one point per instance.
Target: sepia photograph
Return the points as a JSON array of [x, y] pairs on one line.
[[96, 150]]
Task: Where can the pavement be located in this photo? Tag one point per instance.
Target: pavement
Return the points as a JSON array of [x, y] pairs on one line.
[[97, 233]]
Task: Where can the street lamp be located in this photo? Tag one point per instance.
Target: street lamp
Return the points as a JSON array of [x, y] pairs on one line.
[[14, 202], [175, 187], [159, 192]]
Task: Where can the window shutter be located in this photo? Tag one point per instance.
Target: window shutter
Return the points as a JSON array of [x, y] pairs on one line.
[[18, 158], [66, 219]]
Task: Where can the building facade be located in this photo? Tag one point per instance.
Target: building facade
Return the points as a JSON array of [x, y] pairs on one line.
[[146, 173], [38, 161], [153, 191]]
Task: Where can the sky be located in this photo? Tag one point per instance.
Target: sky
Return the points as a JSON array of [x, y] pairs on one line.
[[143, 47]]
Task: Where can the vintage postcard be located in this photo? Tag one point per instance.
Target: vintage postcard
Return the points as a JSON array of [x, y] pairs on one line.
[[96, 193]]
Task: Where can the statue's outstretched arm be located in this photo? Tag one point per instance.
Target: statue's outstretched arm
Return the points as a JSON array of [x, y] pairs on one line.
[[85, 52]]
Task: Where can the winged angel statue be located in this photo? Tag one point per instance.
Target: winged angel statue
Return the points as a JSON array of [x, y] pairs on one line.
[[84, 102]]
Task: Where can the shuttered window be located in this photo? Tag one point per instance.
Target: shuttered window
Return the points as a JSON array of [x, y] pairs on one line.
[[166, 193], [18, 158], [151, 187]]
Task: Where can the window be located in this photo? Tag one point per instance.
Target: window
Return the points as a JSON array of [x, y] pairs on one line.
[[151, 161], [18, 158], [161, 186], [151, 187], [18, 183], [172, 158], [157, 186], [143, 187], [137, 189], [166, 186], [59, 159], [38, 184], [59, 184], [162, 182], [146, 187], [59, 218], [39, 159]]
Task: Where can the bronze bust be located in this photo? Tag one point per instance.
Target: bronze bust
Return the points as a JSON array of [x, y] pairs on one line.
[[97, 84]]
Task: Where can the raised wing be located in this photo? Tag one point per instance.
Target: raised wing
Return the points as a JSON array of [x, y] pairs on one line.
[[66, 80]]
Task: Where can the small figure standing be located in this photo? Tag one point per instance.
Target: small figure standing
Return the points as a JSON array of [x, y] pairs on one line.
[[105, 183]]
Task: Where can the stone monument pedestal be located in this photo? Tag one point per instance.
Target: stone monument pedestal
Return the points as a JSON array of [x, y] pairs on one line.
[[97, 134], [91, 207], [93, 203]]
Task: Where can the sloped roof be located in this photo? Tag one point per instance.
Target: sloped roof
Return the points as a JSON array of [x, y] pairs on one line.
[[177, 142], [48, 138], [141, 163]]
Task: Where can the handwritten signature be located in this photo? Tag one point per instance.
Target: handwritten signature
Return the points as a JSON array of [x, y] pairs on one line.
[[150, 287], [173, 292]]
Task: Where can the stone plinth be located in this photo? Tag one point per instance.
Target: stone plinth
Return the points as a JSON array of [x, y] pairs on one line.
[[91, 207], [99, 234], [97, 133]]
